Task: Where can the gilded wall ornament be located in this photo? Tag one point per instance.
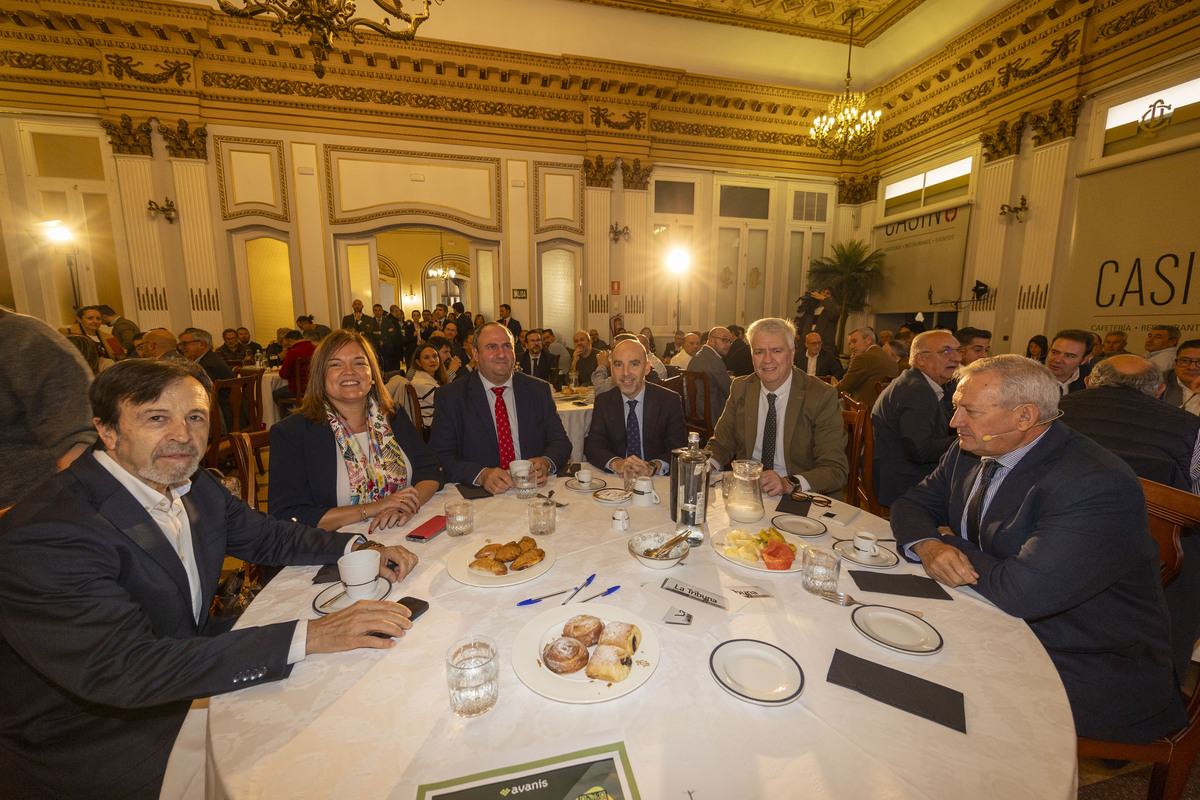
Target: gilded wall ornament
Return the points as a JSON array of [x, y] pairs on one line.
[[48, 63], [1139, 16], [602, 118], [727, 132], [636, 176], [853, 191], [120, 66], [127, 139], [1005, 141], [185, 142], [942, 108], [1060, 48], [597, 173], [1058, 122]]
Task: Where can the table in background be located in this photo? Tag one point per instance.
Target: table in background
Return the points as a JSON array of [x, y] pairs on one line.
[[375, 724], [270, 382], [576, 419]]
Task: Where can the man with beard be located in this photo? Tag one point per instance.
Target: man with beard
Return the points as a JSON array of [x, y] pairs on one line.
[[106, 570]]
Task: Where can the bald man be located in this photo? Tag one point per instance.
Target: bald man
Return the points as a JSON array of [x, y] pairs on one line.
[[711, 361]]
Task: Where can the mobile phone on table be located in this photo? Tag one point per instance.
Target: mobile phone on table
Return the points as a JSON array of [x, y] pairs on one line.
[[427, 530], [416, 607]]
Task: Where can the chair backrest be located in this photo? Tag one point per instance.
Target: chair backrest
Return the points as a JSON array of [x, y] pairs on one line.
[[695, 386], [413, 407], [866, 475], [675, 384], [303, 366], [881, 385], [1171, 510], [854, 415], [245, 400], [245, 466]]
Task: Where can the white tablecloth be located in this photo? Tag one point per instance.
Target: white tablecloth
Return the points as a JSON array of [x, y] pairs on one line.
[[376, 723], [270, 382], [575, 419]]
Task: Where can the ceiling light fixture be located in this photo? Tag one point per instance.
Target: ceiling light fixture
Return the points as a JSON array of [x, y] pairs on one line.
[[323, 19], [847, 128]]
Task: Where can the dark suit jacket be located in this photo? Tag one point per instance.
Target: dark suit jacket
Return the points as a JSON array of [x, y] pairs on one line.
[[100, 654], [707, 361], [513, 326], [545, 362], [1173, 394], [464, 436], [303, 476], [827, 363], [738, 360], [865, 371], [663, 429], [1066, 547], [912, 432], [824, 323], [363, 326], [814, 437]]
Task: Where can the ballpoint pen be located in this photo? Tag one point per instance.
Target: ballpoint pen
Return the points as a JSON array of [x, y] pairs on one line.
[[605, 593], [580, 587], [337, 596], [533, 600]]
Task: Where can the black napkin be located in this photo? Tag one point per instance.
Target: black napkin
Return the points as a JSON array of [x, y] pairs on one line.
[[899, 690], [787, 505], [906, 585], [472, 492], [327, 574]]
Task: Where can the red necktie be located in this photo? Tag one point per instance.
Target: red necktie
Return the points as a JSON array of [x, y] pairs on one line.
[[503, 430]]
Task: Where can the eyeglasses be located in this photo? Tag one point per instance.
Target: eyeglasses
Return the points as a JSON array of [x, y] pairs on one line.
[[819, 500], [1188, 362], [944, 352], [720, 339]]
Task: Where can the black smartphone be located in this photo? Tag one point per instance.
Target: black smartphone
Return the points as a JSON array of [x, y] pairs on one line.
[[416, 606]]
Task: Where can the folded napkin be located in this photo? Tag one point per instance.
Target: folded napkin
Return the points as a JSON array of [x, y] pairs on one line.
[[891, 583], [787, 505], [899, 690], [327, 574], [472, 492]]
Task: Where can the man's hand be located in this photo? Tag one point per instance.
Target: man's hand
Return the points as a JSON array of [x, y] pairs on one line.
[[541, 468], [496, 480], [351, 627], [641, 469], [773, 485], [404, 559], [944, 563], [602, 359], [455, 363]]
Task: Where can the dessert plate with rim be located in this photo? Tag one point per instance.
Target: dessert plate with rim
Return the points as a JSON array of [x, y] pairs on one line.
[[382, 587], [612, 497], [883, 558], [897, 630], [757, 672], [801, 526], [575, 486], [578, 687], [458, 566], [718, 541]]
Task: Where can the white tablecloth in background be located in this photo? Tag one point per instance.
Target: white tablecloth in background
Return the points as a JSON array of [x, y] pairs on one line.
[[576, 420], [270, 382], [375, 724]]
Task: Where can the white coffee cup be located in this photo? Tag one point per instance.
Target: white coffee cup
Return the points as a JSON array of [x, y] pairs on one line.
[[865, 544], [358, 571], [519, 467], [643, 492], [584, 476]]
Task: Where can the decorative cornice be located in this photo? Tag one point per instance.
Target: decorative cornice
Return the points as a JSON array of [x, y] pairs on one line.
[[1057, 122], [598, 174], [126, 139], [1139, 16], [1006, 141], [945, 107], [727, 132], [635, 175], [119, 66], [602, 117], [853, 191], [185, 142], [1060, 48], [48, 63]]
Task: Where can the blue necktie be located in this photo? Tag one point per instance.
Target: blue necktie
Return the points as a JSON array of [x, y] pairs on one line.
[[633, 434]]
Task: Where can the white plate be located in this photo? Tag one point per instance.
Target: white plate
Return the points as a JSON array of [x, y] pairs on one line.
[[458, 566], [382, 587], [756, 672], [578, 687], [883, 558], [575, 486], [717, 542], [897, 630], [612, 497], [801, 526]]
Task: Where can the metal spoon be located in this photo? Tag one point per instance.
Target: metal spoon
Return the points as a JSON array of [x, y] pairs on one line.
[[666, 548], [551, 497]]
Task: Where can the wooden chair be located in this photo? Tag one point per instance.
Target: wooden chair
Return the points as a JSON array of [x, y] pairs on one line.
[[866, 479], [854, 416], [303, 365], [413, 407], [1171, 510], [881, 385], [242, 458], [675, 384], [695, 386], [245, 402]]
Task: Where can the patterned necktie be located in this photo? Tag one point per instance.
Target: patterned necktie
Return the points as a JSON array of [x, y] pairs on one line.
[[975, 508], [633, 434], [503, 430], [768, 444]]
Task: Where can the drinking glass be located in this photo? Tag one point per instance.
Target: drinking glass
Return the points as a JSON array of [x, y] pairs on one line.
[[473, 675], [525, 484], [821, 570], [460, 517], [541, 516]]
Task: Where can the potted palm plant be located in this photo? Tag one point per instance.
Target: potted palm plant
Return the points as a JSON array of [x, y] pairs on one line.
[[851, 272]]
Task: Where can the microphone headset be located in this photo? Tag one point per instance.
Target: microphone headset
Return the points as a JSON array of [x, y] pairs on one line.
[[990, 436]]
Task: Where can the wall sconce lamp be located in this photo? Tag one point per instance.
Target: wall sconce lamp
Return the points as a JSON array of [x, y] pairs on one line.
[[167, 209], [980, 290], [616, 234], [1016, 211]]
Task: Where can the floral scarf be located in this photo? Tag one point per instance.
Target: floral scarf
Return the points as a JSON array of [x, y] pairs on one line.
[[375, 475]]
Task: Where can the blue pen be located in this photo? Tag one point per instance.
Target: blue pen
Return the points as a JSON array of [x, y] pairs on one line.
[[533, 600], [605, 593], [581, 586]]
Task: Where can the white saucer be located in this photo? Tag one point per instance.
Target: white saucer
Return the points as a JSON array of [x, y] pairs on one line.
[[801, 526], [612, 497], [575, 486], [756, 672], [382, 587], [897, 630], [883, 558]]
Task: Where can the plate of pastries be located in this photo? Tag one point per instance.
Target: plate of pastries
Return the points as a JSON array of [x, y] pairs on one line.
[[493, 562], [585, 653]]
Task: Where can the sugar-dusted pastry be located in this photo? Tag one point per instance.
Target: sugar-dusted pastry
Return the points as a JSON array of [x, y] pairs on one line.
[[488, 550], [585, 628], [527, 559], [565, 656], [622, 635], [489, 565], [609, 663], [507, 552], [527, 543]]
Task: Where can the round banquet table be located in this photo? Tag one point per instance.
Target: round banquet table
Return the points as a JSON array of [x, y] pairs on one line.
[[576, 419], [377, 723]]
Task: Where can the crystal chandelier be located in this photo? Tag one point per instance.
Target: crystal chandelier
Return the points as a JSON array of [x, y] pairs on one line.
[[323, 19], [847, 128]]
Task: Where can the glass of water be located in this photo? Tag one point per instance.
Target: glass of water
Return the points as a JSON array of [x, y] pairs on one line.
[[525, 484], [460, 517], [821, 570], [473, 675], [541, 516]]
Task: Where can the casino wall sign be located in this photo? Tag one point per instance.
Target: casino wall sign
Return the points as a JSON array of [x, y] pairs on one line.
[[1169, 279]]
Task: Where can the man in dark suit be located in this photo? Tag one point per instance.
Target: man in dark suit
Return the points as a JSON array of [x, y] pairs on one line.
[[1068, 357], [473, 421], [910, 423], [1183, 379], [710, 359], [1052, 528], [634, 423], [507, 321], [382, 334], [106, 571], [357, 320], [738, 360], [819, 312], [533, 361], [783, 418], [868, 365], [816, 361]]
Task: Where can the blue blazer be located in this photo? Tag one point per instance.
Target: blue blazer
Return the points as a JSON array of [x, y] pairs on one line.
[[303, 475], [663, 428], [464, 436], [911, 430]]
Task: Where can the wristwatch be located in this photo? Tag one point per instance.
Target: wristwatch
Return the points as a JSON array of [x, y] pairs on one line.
[[365, 543]]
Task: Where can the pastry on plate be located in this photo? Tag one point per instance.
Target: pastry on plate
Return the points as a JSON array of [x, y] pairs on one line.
[[609, 663], [527, 559], [585, 628], [564, 656], [527, 543], [621, 635], [507, 552], [488, 550], [489, 565]]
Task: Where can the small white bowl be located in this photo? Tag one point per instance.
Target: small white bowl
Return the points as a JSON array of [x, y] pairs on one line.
[[642, 542]]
